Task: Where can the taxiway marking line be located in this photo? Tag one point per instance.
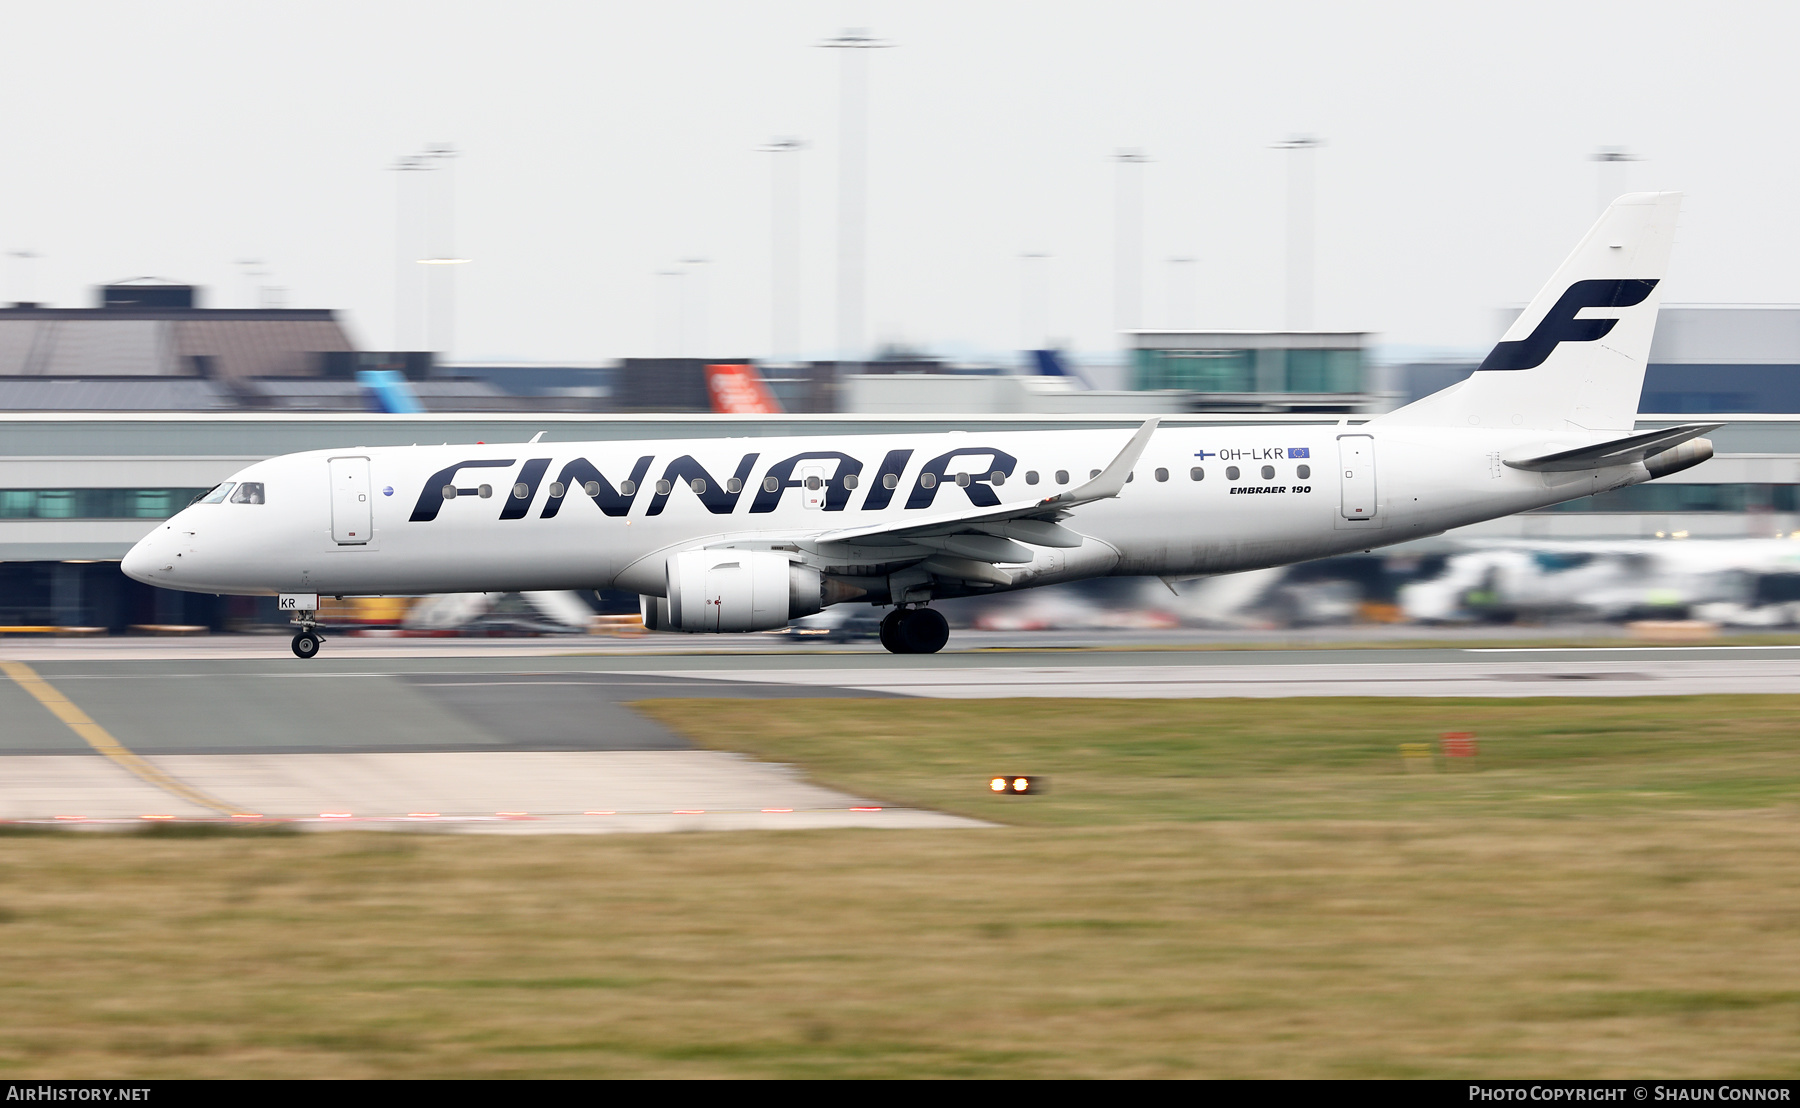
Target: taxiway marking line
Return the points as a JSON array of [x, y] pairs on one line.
[[102, 741]]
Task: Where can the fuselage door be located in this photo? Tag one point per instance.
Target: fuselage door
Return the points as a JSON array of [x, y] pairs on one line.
[[812, 486], [1356, 464], [352, 511]]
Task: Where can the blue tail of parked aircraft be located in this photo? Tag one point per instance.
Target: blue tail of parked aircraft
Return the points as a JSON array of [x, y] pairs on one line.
[[389, 392], [1049, 363]]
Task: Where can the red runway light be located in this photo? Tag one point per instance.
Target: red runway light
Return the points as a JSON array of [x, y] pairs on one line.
[[865, 809]]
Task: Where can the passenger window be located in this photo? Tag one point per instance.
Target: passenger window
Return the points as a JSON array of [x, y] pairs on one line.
[[733, 485], [592, 488], [449, 492], [486, 491], [557, 490], [250, 492], [771, 484], [1162, 474], [626, 488], [521, 490], [1231, 473], [699, 486], [1062, 476], [928, 480], [663, 487], [1031, 477], [813, 484], [890, 480], [996, 478], [219, 493], [1197, 474], [851, 481], [1268, 473], [962, 480], [1304, 472]]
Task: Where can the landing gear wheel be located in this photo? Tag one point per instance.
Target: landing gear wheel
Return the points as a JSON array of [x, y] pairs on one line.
[[922, 631], [890, 631], [306, 644]]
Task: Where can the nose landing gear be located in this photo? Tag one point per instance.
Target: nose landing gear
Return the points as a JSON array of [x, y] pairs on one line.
[[914, 631]]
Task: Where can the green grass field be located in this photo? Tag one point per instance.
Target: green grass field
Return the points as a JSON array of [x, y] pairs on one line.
[[1210, 888]]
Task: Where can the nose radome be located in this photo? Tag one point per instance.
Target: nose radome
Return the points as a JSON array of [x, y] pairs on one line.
[[139, 562]]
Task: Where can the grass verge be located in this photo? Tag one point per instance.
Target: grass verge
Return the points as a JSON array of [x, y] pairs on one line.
[[1210, 888]]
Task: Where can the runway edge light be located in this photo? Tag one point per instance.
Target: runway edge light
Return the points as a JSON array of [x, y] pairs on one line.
[[1017, 784]]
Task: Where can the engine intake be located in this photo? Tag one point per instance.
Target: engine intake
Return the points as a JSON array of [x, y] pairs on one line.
[[712, 591]]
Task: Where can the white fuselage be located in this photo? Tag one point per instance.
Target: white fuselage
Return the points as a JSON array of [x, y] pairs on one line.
[[1300, 492]]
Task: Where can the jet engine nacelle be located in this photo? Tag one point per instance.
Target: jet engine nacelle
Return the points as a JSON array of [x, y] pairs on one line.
[[732, 590]]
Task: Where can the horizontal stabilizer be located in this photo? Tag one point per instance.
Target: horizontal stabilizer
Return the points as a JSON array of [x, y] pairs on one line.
[[1618, 452]]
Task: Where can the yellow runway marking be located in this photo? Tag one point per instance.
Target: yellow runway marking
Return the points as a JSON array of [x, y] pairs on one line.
[[102, 741]]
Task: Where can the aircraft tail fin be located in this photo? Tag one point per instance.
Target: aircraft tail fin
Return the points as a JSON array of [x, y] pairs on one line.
[[738, 389], [1575, 358]]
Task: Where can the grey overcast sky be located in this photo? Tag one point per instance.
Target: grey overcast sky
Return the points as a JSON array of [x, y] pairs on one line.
[[600, 143]]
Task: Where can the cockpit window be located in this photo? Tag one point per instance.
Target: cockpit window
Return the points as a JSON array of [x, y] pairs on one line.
[[217, 495], [250, 492]]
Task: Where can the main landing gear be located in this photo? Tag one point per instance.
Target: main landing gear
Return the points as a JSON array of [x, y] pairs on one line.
[[306, 644], [914, 631]]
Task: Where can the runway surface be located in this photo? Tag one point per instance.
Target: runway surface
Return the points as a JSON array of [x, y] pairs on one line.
[[494, 736]]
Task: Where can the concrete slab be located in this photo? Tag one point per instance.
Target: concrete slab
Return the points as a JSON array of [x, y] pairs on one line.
[[492, 791]]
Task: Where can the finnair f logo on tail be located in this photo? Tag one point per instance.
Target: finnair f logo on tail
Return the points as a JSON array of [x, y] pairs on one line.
[[1560, 325]]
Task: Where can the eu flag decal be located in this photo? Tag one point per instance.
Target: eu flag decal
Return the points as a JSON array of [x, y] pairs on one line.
[[1299, 451]]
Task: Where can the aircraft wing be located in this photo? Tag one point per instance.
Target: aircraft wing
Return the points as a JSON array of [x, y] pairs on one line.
[[970, 544], [1107, 485]]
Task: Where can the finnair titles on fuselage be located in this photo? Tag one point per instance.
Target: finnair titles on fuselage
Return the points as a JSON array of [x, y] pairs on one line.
[[722, 535]]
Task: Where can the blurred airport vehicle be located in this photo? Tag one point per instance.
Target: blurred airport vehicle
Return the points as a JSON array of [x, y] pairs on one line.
[[1548, 418]]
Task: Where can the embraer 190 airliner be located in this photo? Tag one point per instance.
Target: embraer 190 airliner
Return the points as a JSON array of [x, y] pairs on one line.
[[732, 535]]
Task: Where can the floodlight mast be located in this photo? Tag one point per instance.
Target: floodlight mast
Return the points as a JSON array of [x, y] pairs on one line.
[[1300, 229], [1128, 240], [784, 248], [852, 169], [1610, 179]]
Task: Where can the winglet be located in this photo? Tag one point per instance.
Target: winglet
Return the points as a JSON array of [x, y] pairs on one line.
[[1112, 479]]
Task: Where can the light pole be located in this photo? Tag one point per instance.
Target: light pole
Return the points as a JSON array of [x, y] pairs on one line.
[[253, 273], [1128, 239], [22, 283], [668, 312], [1611, 176], [1300, 230], [405, 254], [784, 248], [693, 322], [852, 168], [440, 317], [1034, 298], [1184, 293]]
